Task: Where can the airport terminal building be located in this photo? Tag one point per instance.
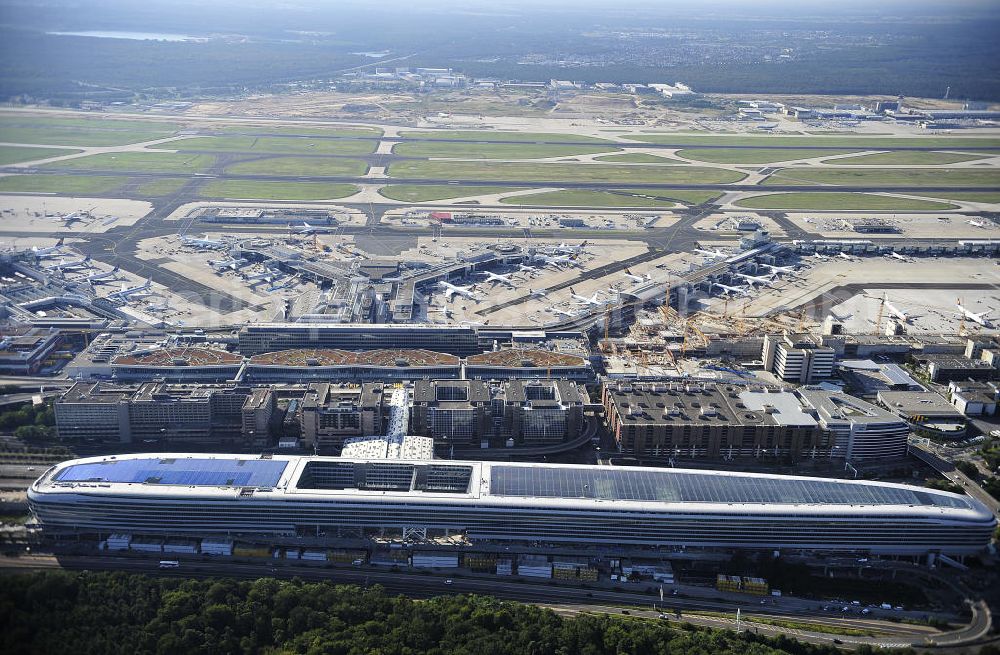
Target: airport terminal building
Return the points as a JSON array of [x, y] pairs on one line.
[[267, 499]]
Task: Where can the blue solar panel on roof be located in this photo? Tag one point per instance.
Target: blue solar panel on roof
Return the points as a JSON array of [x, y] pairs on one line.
[[670, 487], [186, 472]]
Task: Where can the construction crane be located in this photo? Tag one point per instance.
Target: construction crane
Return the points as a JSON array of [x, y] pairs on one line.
[[881, 310]]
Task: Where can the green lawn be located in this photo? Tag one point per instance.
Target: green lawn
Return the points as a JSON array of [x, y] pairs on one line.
[[624, 198], [251, 190], [61, 184], [912, 158], [834, 200], [292, 129], [753, 155], [162, 187], [144, 162], [915, 177], [273, 144], [862, 142], [971, 196], [418, 193], [93, 121], [489, 135], [639, 158], [494, 150], [76, 136], [548, 172], [292, 166], [15, 155]]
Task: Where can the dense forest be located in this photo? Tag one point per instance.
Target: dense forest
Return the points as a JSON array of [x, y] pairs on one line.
[[108, 613]]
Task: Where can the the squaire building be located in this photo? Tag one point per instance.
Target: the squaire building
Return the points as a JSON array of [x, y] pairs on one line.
[[273, 498]]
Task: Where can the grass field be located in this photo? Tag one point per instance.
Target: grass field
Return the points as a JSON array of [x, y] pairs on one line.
[[139, 162], [915, 177], [753, 155], [546, 172], [862, 142], [92, 121], [292, 129], [618, 198], [76, 136], [15, 155], [418, 193], [60, 184], [906, 159], [292, 166], [489, 135], [273, 144], [495, 150], [159, 188], [835, 201], [971, 196], [251, 190], [638, 158]]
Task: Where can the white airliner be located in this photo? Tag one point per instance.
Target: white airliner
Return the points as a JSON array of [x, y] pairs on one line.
[[307, 229], [728, 289], [780, 269], [902, 258], [46, 253], [497, 278], [715, 253], [816, 255], [844, 255], [524, 268], [562, 312], [895, 311], [127, 291], [979, 318], [636, 278], [211, 244], [453, 290], [568, 248], [558, 260], [537, 293], [584, 300], [162, 306], [221, 265], [756, 279], [71, 265], [974, 223], [103, 277]]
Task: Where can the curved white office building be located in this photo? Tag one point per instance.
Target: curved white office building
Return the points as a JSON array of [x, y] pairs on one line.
[[262, 498]]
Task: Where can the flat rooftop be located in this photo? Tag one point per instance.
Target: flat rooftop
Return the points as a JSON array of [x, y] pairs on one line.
[[336, 357], [188, 356], [524, 358]]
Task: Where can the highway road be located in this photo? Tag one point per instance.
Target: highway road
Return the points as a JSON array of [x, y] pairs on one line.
[[564, 599]]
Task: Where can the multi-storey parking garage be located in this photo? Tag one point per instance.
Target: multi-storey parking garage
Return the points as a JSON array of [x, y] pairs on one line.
[[179, 494]]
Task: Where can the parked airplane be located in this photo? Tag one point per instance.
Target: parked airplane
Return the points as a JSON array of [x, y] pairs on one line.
[[51, 251], [844, 255], [778, 270], [636, 278], [281, 285], [71, 265], [569, 249], [728, 289], [307, 229], [537, 293], [497, 278], [979, 318], [558, 260], [221, 265], [451, 290], [162, 306], [895, 311], [103, 277], [974, 223], [562, 312], [524, 268], [757, 279], [127, 291], [715, 253], [584, 300], [816, 255], [902, 258], [211, 244]]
